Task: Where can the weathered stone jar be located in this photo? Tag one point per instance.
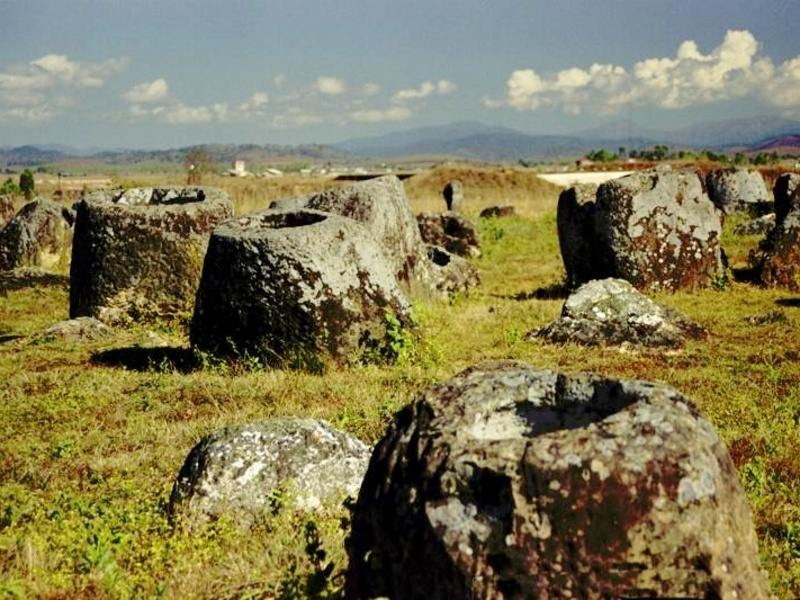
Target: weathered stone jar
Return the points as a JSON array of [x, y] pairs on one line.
[[509, 482], [138, 254], [657, 229], [295, 288]]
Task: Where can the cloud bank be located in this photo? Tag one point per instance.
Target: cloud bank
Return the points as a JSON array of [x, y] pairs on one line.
[[734, 69]]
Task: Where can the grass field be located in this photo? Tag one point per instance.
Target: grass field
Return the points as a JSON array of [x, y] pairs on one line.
[[91, 439]]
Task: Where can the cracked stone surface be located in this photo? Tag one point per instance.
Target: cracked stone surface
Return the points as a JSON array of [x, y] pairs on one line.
[[613, 312], [239, 471], [507, 482]]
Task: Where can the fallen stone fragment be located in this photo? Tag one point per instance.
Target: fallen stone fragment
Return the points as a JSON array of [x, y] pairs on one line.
[[612, 312], [242, 472]]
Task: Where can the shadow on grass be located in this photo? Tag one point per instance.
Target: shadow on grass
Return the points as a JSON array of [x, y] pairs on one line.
[[9, 337], [18, 279], [554, 291], [790, 302], [161, 359], [746, 275]]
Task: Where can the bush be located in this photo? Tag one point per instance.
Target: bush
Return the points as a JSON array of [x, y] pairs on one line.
[[9, 188], [26, 184]]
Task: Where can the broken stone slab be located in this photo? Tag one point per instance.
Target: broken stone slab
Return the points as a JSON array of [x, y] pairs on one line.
[[451, 231], [506, 481], [39, 235], [296, 288], [138, 253], [242, 472], [612, 312]]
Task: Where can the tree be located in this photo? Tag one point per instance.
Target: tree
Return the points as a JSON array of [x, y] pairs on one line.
[[9, 188], [26, 184], [197, 162]]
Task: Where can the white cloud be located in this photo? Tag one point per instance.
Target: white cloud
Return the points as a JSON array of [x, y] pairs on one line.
[[444, 86], [331, 86], [279, 80], [784, 87], [255, 103], [732, 70], [60, 67], [394, 113], [182, 114], [36, 91], [426, 88], [147, 92], [295, 117]]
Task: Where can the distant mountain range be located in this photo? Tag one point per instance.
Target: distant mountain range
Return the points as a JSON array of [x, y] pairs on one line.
[[478, 141], [218, 153], [467, 140]]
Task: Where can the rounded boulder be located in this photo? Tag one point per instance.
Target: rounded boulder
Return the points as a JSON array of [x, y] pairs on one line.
[[241, 471]]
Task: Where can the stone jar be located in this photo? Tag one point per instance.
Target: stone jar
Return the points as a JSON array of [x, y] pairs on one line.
[[511, 482], [296, 288], [137, 255]]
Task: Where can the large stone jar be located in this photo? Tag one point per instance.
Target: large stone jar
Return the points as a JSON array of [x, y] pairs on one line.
[[296, 288], [509, 482], [137, 255]]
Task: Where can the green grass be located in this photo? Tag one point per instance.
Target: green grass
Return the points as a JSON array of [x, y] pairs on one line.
[[89, 449]]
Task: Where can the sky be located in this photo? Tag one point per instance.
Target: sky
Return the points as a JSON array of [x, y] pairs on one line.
[[168, 73]]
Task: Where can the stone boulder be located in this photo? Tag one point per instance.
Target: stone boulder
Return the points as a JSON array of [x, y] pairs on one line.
[[778, 258], [658, 230], [453, 193], [451, 231], [612, 312], [295, 288], [783, 194], [241, 472], [510, 482], [738, 189], [382, 206], [453, 274], [494, 212], [7, 211], [82, 329], [576, 236], [138, 253], [39, 235]]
